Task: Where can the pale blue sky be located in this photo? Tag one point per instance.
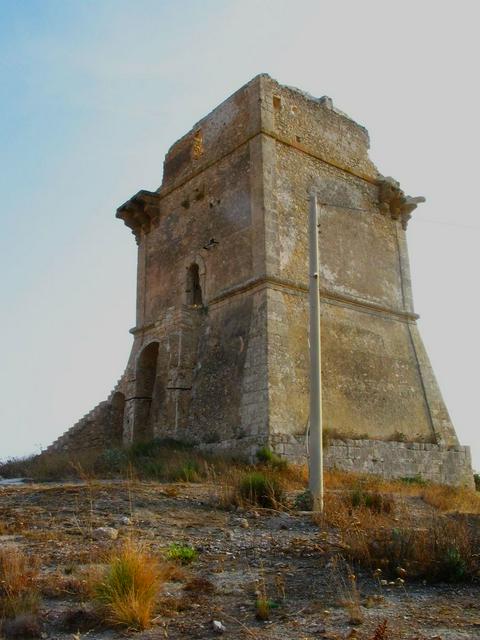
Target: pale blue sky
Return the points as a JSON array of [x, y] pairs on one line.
[[92, 93]]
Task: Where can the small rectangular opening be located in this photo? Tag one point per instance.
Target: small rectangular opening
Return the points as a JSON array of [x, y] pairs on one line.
[[277, 103]]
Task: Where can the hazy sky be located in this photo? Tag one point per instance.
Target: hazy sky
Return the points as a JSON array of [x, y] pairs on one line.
[[92, 93]]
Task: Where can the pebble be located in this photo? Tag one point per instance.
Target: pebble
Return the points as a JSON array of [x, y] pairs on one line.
[[243, 522]]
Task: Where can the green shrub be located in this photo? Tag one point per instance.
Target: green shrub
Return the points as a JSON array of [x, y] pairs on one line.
[[183, 553], [190, 471], [112, 460], [153, 469], [453, 567], [257, 488], [267, 456], [476, 478]]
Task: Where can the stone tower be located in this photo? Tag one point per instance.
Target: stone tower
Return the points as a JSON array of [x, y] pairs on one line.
[[220, 350]]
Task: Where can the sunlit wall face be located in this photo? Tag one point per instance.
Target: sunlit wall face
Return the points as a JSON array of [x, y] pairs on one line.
[[87, 115]]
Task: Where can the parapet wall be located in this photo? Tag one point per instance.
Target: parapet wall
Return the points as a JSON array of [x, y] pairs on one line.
[[432, 462]]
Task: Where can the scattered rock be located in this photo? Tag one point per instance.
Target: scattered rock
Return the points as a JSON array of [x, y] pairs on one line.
[[105, 533], [218, 627], [125, 521]]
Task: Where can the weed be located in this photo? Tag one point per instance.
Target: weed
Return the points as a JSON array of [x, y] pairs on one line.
[[476, 479], [262, 608], [183, 553], [346, 585], [189, 471], [129, 587], [304, 501], [417, 479], [371, 500], [18, 591], [447, 498], [452, 565], [259, 489], [267, 456]]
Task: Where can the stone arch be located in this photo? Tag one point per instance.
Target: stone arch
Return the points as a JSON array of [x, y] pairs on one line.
[[145, 382], [117, 417]]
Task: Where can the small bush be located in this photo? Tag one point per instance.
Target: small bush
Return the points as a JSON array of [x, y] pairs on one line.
[[256, 488], [262, 608], [267, 456], [18, 590], [452, 565], [112, 460], [476, 478], [304, 501], [188, 472], [376, 502], [128, 590], [183, 553]]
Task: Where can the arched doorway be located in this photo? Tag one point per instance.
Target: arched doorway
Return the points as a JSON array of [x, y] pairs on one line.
[[117, 415], [146, 374]]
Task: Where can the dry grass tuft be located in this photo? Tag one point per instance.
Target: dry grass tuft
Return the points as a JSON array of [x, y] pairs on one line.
[[18, 591], [345, 582], [128, 590]]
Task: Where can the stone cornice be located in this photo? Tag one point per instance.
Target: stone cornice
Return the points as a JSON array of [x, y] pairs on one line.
[[140, 212], [327, 295], [298, 288]]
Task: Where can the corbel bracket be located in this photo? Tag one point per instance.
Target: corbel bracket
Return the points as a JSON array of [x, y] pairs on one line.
[[140, 212], [392, 201]]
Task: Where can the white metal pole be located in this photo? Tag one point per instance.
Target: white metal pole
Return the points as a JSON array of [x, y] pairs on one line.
[[315, 443]]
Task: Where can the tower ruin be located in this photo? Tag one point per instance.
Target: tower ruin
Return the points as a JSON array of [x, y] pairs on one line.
[[220, 346]]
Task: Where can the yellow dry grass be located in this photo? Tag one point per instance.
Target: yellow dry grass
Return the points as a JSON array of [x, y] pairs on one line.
[[448, 499], [18, 591], [128, 590]]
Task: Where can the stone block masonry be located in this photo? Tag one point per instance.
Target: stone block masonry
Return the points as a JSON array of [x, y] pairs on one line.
[[220, 347]]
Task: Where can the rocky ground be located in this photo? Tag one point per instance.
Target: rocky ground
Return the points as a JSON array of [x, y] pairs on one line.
[[296, 563]]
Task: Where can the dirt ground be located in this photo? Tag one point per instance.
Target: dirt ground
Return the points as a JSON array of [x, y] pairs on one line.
[[283, 555]]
